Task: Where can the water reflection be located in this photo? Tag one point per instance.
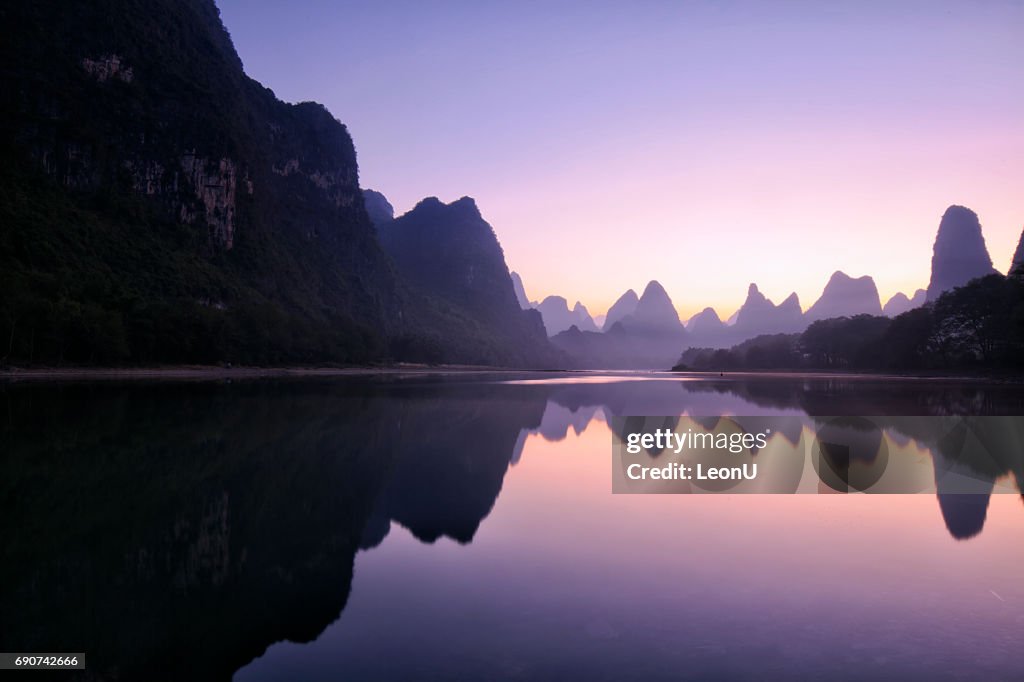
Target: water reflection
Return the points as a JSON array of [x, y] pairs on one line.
[[176, 531]]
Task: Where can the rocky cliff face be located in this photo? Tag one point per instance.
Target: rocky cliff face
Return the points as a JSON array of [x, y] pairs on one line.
[[191, 215], [450, 250], [846, 296], [451, 254], [959, 254], [164, 207]]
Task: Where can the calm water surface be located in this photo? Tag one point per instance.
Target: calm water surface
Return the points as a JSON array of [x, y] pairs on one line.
[[462, 527]]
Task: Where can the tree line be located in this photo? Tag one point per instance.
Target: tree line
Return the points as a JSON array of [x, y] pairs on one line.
[[979, 326]]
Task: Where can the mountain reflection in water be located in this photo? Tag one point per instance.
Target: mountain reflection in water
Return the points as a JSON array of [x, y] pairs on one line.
[[175, 531]]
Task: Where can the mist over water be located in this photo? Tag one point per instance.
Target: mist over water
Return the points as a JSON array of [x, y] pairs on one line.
[[311, 529]]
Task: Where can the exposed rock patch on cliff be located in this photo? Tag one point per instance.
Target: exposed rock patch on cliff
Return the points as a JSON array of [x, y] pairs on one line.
[[449, 252]]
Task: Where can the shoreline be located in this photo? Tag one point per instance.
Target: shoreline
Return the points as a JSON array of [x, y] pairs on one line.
[[216, 372]]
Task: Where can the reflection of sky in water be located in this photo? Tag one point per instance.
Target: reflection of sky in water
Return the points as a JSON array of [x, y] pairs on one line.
[[564, 579]]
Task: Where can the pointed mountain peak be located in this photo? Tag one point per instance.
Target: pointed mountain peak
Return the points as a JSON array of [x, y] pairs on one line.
[[625, 305], [754, 296], [959, 254], [520, 291], [897, 304], [758, 315], [1018, 256], [655, 308], [791, 301], [654, 290], [630, 295]]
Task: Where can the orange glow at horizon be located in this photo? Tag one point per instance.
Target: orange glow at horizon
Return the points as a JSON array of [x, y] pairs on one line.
[[682, 228]]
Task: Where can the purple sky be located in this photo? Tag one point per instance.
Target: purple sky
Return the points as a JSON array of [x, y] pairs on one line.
[[703, 144]]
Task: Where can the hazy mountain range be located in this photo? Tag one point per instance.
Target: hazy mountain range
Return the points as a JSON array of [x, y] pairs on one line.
[[959, 256]]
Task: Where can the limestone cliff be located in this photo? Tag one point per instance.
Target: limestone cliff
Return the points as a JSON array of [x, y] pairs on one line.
[[959, 254]]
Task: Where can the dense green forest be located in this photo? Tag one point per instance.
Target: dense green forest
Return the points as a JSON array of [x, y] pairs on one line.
[[976, 327]]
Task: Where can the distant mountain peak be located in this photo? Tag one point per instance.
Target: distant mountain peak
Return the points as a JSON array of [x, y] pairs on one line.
[[959, 254], [792, 301], [899, 303], [654, 288], [755, 298], [708, 313], [758, 315], [705, 321], [558, 317], [520, 290], [625, 305], [655, 309], [846, 296], [1018, 256]]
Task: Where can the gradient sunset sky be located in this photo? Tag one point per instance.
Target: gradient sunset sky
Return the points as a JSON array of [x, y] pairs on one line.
[[703, 144]]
